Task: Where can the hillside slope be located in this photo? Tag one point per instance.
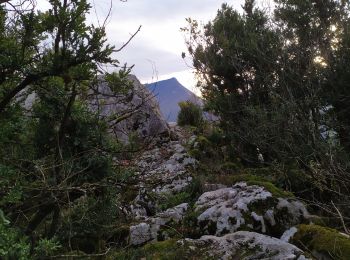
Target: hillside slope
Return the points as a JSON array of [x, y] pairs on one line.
[[169, 93]]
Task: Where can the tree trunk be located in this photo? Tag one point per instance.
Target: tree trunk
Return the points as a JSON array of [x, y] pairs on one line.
[[11, 94]]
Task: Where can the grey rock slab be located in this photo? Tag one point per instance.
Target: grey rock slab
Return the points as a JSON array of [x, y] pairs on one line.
[[244, 245], [227, 210], [148, 230], [144, 116]]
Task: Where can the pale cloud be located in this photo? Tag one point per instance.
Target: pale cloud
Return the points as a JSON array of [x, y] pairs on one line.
[[156, 49]]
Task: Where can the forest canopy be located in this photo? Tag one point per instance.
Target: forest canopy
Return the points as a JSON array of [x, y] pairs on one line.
[[279, 81]]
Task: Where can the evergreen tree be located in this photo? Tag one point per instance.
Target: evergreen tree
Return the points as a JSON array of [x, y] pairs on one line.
[[56, 156], [278, 83]]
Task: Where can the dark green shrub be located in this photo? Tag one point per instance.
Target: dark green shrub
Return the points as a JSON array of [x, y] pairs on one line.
[[229, 167], [216, 136], [190, 114], [13, 244]]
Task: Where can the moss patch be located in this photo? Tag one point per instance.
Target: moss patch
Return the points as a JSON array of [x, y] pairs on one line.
[[272, 188], [167, 250], [174, 200], [251, 180], [203, 142], [322, 240], [195, 153]]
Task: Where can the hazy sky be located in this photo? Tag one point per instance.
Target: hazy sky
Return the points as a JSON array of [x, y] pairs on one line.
[[156, 49]]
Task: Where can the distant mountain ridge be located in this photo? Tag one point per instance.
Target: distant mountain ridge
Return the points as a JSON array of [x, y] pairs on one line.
[[169, 93]]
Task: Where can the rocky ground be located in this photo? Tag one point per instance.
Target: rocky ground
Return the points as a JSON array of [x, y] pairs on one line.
[[239, 221], [175, 214]]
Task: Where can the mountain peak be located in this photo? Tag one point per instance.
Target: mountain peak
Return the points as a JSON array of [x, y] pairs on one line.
[[170, 80], [169, 93], [173, 79]]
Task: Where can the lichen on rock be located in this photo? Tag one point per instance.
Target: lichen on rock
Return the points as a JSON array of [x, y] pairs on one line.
[[249, 207], [239, 245], [149, 230], [244, 245]]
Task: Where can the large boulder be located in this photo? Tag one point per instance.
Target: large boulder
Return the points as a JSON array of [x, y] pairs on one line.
[[224, 211], [166, 167], [247, 207], [138, 109], [243, 245], [135, 111], [161, 172], [239, 245], [151, 229]]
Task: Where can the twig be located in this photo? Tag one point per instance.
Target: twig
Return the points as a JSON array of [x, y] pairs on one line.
[[341, 219], [132, 36], [82, 256]]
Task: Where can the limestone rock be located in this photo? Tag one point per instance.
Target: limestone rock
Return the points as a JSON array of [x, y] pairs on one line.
[[166, 167], [243, 245], [288, 234], [151, 228], [162, 171], [252, 207], [140, 106]]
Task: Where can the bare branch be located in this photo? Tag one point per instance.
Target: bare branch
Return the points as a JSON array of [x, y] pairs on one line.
[[132, 36], [82, 256], [341, 219]]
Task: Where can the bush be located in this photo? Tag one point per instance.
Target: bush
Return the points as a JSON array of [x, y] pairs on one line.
[[13, 244], [217, 136], [190, 114]]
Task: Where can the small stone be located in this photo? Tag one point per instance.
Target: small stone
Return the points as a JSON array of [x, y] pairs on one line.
[[288, 234]]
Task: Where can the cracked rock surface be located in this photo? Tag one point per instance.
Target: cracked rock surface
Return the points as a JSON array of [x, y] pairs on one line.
[[243, 245], [219, 217], [250, 207], [150, 229]]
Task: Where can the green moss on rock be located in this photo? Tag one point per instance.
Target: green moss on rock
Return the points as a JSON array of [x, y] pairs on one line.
[[252, 180], [203, 142], [195, 153], [164, 250], [322, 240], [173, 200], [277, 192]]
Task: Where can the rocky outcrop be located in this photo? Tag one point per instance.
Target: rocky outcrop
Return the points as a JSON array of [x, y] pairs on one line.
[[241, 206], [135, 111], [166, 167], [222, 212], [161, 172], [151, 229], [243, 245], [241, 221], [226, 211]]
